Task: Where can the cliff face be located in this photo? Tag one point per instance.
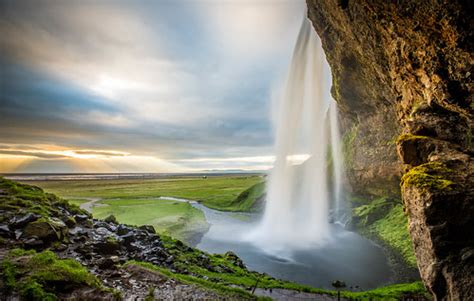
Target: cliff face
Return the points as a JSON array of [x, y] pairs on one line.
[[402, 76]]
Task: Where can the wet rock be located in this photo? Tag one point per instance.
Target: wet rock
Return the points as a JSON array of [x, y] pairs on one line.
[[80, 218], [108, 262], [5, 231], [77, 231], [47, 230], [123, 229], [20, 222], [102, 231], [33, 242], [107, 246], [128, 238], [109, 226], [148, 228]]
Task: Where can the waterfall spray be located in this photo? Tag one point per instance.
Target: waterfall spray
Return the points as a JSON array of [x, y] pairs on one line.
[[340, 212], [297, 208]]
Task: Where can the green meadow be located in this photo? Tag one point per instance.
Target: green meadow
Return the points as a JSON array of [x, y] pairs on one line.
[[136, 201]]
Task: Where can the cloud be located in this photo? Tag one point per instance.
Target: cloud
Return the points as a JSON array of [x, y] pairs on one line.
[[165, 79]]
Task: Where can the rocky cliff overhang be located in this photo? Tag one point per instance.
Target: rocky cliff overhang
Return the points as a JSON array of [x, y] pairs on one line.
[[402, 75]]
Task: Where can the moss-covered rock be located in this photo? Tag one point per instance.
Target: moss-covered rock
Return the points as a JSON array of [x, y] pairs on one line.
[[433, 175], [47, 229], [42, 276]]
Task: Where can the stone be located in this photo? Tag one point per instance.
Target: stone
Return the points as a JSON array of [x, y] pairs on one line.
[[20, 222], [33, 242], [108, 262], [107, 246], [148, 228], [5, 231], [122, 229], [81, 218], [77, 231], [42, 230]]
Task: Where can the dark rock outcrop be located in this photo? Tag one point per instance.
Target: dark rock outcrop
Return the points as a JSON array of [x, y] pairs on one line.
[[404, 69]]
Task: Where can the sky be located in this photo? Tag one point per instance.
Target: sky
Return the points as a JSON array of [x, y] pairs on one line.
[[141, 86]]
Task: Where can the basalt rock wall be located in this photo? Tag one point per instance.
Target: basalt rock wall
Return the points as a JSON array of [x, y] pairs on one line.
[[402, 77]]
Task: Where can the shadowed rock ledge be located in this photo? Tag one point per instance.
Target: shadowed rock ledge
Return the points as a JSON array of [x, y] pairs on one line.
[[402, 76]]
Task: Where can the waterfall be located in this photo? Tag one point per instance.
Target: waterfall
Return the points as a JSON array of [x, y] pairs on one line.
[[340, 212], [297, 208]]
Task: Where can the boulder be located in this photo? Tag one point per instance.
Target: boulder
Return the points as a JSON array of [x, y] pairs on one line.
[[48, 230], [20, 222]]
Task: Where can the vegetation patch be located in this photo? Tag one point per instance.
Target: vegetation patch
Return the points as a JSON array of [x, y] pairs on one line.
[[432, 175], [348, 145], [404, 291], [410, 137], [32, 199], [42, 276], [386, 221], [393, 229]]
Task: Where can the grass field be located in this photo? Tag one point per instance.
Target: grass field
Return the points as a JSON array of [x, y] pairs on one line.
[[214, 192], [134, 201]]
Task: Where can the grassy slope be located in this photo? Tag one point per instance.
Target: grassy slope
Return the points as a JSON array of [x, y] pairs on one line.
[[388, 223], [247, 200], [36, 275], [174, 218]]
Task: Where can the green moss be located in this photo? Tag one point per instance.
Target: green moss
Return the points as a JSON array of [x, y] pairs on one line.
[[428, 176], [27, 198], [38, 276], [386, 221], [393, 229], [409, 137], [348, 145], [405, 291]]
